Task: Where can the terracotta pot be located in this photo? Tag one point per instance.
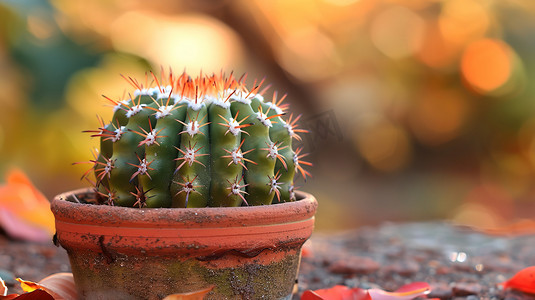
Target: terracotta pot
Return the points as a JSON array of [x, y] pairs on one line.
[[129, 253]]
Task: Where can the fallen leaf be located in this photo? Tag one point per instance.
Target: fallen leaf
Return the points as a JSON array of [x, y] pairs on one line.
[[340, 292], [3, 287], [337, 292], [306, 252], [197, 295], [59, 285], [406, 292], [3, 292], [35, 295], [19, 229], [523, 281], [25, 211]]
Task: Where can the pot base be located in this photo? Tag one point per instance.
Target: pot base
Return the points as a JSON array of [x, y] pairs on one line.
[[127, 277]]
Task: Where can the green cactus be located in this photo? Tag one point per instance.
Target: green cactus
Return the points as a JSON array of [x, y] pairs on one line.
[[200, 142]]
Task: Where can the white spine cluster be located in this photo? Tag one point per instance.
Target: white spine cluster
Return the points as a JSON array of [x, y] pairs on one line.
[[233, 127], [236, 156], [196, 106], [273, 151], [178, 100], [188, 187], [134, 110], [165, 93], [235, 188], [296, 161], [239, 96], [274, 185], [122, 103], [142, 169], [150, 138], [263, 118], [189, 156], [218, 101], [118, 133], [163, 111], [146, 92], [274, 107], [108, 167], [192, 128], [290, 129]]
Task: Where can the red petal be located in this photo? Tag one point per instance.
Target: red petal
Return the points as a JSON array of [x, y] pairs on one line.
[[523, 281], [337, 292], [35, 295]]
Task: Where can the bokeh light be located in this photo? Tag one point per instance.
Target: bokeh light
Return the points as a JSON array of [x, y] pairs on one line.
[[397, 32], [439, 117], [383, 145], [436, 51], [308, 55], [461, 21], [487, 64]]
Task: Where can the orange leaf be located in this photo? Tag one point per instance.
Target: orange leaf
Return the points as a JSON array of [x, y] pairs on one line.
[[20, 198], [28, 286], [197, 295], [523, 281], [337, 292]]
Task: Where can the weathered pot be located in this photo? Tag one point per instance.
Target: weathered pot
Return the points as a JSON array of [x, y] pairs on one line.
[[129, 253]]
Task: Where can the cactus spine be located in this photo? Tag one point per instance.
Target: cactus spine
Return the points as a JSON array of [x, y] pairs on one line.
[[207, 141]]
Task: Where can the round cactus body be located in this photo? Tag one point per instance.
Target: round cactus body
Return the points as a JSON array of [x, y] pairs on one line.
[[207, 141]]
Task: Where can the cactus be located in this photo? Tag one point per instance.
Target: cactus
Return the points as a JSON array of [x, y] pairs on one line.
[[197, 142]]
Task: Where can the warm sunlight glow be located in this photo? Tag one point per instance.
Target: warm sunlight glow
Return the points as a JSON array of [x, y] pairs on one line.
[[341, 2], [193, 42]]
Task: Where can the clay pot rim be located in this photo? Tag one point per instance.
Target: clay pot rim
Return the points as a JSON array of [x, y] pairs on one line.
[[302, 209]]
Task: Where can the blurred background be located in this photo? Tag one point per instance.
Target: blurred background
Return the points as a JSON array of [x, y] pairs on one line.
[[417, 109]]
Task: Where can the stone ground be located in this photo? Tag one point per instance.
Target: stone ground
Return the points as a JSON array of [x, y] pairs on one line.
[[458, 263]]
